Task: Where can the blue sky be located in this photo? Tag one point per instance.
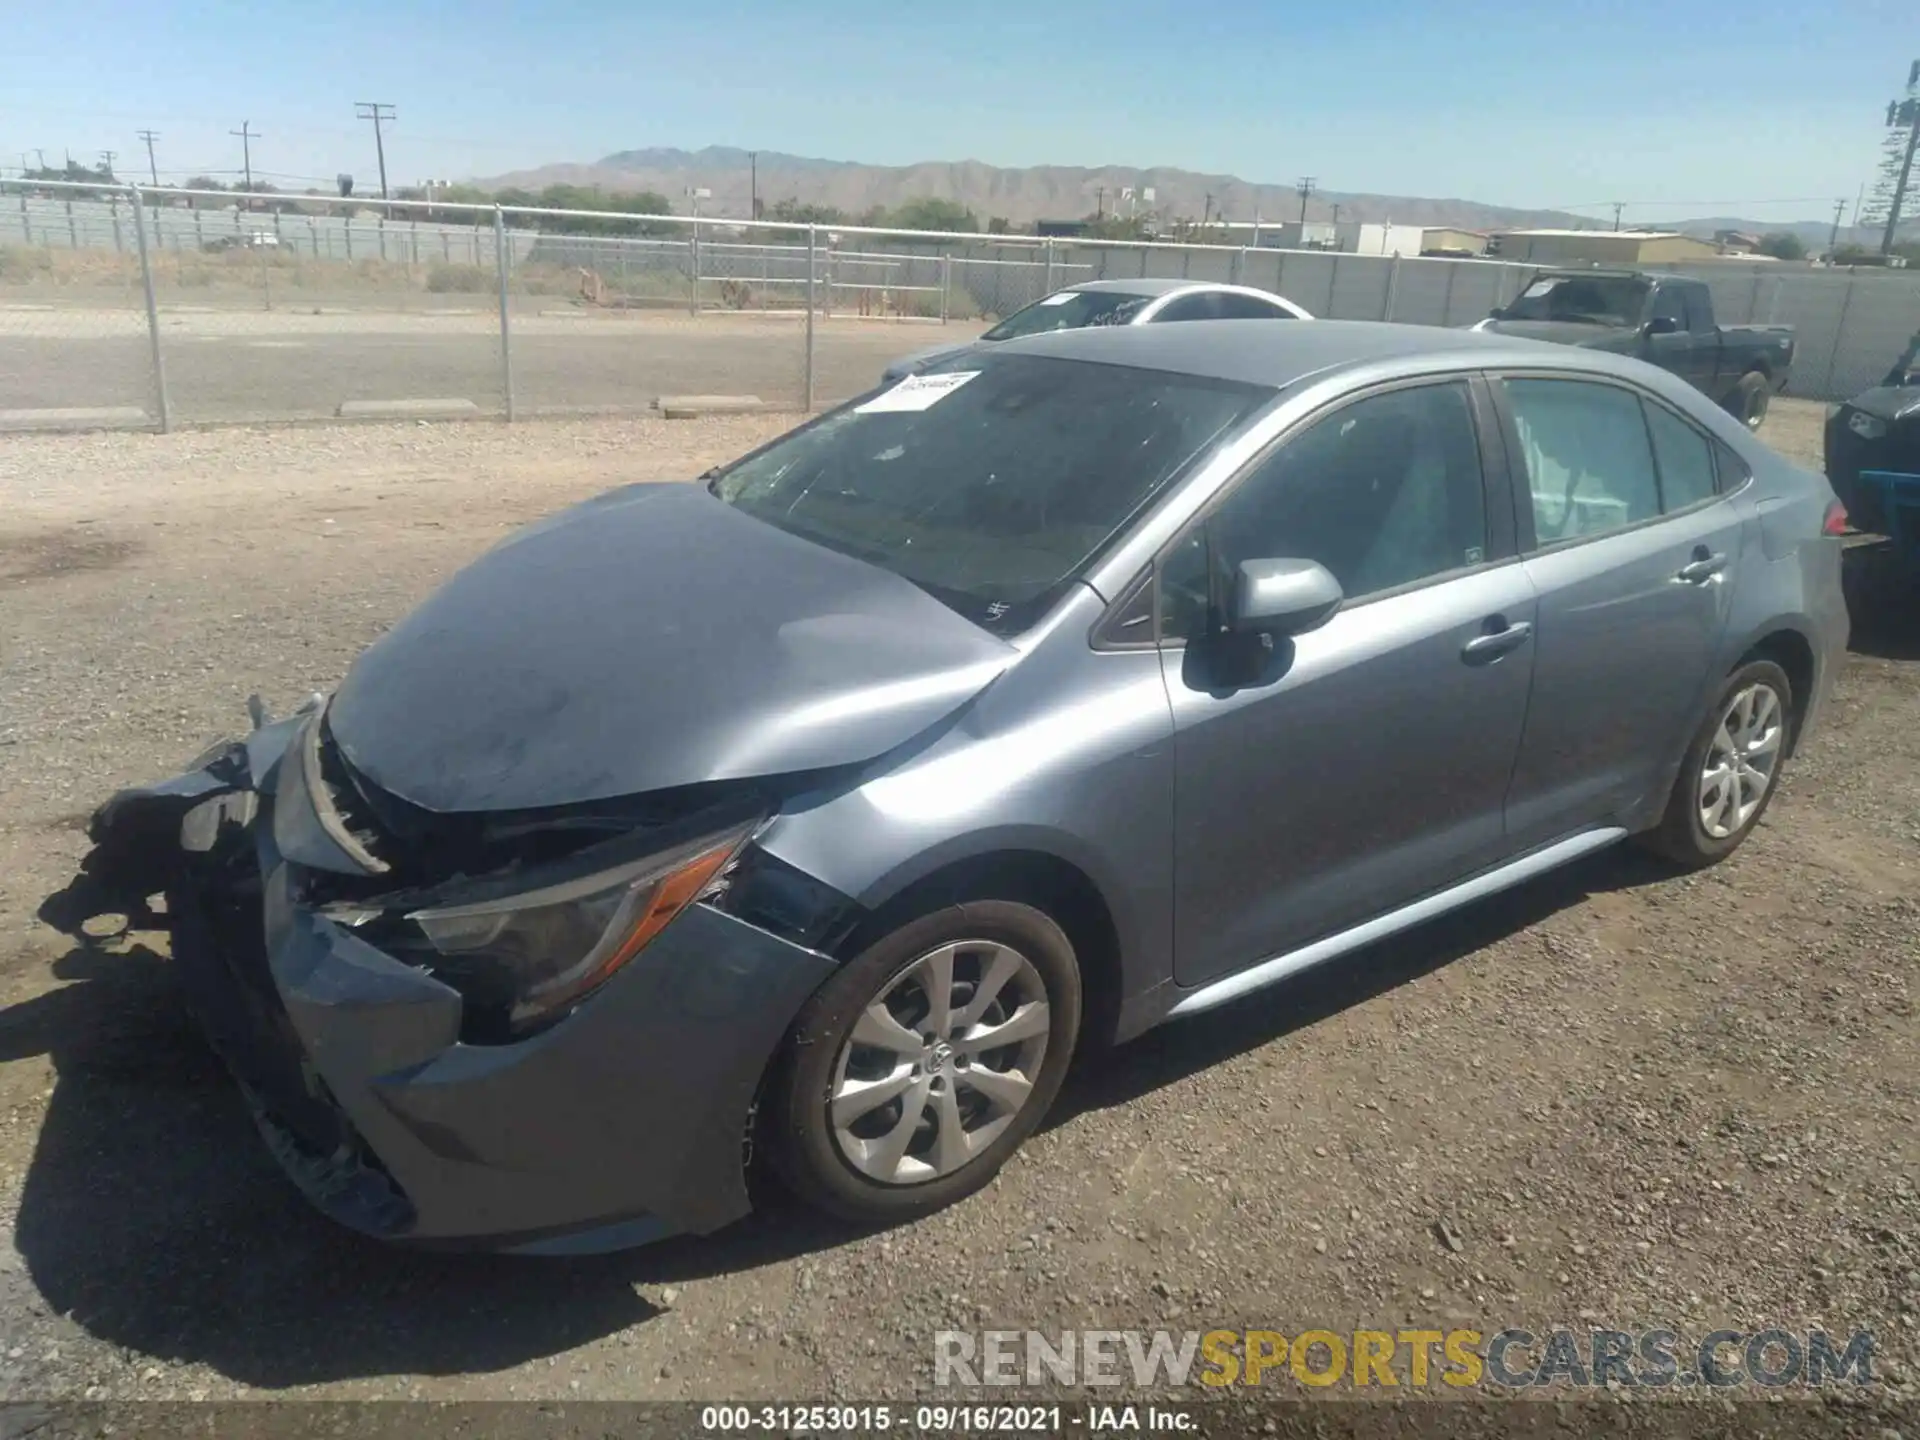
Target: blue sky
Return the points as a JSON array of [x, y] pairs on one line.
[[1749, 106]]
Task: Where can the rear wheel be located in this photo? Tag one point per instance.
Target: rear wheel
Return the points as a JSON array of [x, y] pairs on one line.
[[1731, 769], [924, 1063], [1751, 399]]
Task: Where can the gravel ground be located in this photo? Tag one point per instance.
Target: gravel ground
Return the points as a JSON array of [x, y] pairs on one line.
[[1613, 1096]]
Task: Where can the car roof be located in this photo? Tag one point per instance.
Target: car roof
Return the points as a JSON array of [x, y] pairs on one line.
[[1150, 285], [1278, 355]]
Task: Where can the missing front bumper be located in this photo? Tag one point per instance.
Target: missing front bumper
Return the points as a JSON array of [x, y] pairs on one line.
[[621, 1123]]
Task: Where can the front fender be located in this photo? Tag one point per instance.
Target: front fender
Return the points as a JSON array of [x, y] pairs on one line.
[[1068, 755]]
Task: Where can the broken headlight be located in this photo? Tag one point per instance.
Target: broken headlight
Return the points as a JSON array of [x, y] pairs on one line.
[[529, 956]]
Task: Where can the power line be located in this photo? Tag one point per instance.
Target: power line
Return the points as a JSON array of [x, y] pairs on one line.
[[153, 170], [1644, 204], [377, 111]]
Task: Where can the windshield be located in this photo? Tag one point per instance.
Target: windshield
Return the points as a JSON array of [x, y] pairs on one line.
[[1070, 310], [989, 481], [1597, 299]]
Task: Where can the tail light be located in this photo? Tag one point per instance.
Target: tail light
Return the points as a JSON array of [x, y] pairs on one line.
[[1835, 522]]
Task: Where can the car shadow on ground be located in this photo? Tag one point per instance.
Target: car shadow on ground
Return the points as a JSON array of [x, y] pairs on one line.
[[1187, 1047], [152, 1216]]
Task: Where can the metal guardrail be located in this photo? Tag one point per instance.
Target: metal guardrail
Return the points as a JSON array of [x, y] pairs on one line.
[[104, 286]]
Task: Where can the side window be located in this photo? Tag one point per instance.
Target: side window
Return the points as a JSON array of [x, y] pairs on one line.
[[1250, 307], [1205, 306], [1669, 303], [1733, 470], [1384, 492], [1700, 308], [1589, 464], [1685, 458]]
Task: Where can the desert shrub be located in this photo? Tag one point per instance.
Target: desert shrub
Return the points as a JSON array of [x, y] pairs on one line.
[[451, 278]]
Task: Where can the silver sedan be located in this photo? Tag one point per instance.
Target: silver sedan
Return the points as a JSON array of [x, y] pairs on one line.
[[1116, 302]]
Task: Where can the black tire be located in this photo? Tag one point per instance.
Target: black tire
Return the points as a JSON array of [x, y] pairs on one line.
[[1751, 398], [799, 1138], [1681, 835]]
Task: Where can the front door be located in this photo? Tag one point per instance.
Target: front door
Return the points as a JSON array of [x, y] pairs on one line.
[[1631, 552], [1362, 764]]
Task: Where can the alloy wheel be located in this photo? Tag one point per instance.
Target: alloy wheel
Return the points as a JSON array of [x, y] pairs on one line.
[[939, 1062], [1741, 760]]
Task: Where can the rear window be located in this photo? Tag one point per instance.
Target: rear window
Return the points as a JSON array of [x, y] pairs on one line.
[[990, 480], [1070, 310]]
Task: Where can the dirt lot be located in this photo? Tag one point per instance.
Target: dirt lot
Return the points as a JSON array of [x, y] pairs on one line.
[[1630, 1099]]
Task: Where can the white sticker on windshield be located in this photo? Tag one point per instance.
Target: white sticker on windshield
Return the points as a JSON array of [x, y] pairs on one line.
[[916, 392], [1060, 299], [1541, 287]]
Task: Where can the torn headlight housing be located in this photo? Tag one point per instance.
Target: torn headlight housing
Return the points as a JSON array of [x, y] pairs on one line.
[[525, 959]]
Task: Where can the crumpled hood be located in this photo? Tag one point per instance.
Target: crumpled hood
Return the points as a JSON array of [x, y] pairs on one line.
[[907, 364], [1567, 332], [651, 638]]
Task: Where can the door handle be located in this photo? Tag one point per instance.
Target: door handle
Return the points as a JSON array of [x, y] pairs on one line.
[[1701, 569], [1493, 645]]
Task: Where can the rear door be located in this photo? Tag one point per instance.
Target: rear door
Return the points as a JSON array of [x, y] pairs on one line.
[[1630, 545]]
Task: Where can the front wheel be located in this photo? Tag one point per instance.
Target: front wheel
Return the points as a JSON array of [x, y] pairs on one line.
[[1751, 398], [921, 1066], [1731, 768]]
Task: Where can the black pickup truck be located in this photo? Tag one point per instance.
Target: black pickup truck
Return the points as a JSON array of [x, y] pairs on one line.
[[1666, 320]]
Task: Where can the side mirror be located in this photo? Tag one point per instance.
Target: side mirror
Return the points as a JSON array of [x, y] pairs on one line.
[[1283, 597], [1660, 325], [1498, 312]]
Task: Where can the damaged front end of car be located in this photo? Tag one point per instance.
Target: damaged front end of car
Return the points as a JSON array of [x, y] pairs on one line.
[[537, 1030]]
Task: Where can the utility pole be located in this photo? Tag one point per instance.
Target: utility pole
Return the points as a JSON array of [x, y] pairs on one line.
[[1206, 210], [1099, 202], [107, 158], [1617, 208], [753, 184], [377, 111], [1833, 237], [41, 155], [1303, 190], [247, 135], [153, 170], [1909, 112]]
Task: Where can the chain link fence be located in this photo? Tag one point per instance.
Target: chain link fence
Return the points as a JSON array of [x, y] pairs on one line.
[[126, 305]]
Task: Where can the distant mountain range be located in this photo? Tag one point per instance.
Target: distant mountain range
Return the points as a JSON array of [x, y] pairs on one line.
[[1039, 192]]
